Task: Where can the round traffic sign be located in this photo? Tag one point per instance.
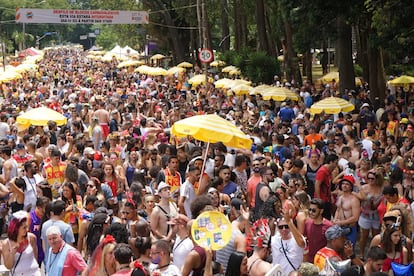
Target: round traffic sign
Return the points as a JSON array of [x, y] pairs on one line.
[[206, 55]]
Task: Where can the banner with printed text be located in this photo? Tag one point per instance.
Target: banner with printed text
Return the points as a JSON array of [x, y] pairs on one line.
[[62, 16]]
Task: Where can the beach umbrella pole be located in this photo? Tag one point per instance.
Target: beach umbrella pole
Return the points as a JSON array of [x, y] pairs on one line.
[[204, 162]]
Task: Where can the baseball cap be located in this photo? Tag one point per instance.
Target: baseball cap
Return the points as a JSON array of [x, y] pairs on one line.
[[20, 146], [88, 150], [335, 232], [348, 178], [404, 121], [300, 117], [103, 210], [162, 185], [364, 105]]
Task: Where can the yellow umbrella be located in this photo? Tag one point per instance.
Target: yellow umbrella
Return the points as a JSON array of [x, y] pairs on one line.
[[241, 89], [229, 68], [143, 69], [156, 71], [175, 70], [234, 72], [199, 79], [212, 129], [185, 64], [40, 116], [9, 76], [129, 63], [260, 89], [237, 82], [402, 80], [279, 94], [217, 63], [221, 83], [26, 67], [331, 105], [157, 56], [335, 76]]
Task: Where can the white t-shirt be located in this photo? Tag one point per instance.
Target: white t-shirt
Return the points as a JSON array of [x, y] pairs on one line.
[[181, 248], [293, 252], [171, 270], [187, 191]]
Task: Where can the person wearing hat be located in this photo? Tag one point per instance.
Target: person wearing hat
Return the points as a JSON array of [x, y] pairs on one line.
[[261, 237], [21, 156], [348, 207], [163, 212], [365, 116], [336, 248]]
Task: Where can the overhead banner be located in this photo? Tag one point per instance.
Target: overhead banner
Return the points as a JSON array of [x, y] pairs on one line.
[[58, 16]]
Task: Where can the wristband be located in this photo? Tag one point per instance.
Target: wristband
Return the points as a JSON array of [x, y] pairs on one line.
[[351, 257]]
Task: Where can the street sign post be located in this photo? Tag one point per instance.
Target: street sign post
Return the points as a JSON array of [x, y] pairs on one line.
[[206, 55]]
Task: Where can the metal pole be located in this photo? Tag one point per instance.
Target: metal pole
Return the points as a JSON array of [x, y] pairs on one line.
[[24, 36]]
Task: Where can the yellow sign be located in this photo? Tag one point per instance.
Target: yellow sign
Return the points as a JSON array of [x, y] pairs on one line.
[[211, 230]]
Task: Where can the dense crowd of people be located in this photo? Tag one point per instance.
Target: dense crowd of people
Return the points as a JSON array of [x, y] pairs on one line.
[[113, 192]]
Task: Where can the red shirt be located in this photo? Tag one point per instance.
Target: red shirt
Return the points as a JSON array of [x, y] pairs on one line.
[[73, 263], [315, 234], [324, 176]]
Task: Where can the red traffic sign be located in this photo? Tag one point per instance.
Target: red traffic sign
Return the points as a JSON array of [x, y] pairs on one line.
[[206, 55]]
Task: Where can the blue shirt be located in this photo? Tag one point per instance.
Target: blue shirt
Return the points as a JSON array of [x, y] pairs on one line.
[[230, 188]]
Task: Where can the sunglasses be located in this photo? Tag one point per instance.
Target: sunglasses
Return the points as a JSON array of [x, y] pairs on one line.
[[91, 186], [371, 178], [313, 210], [285, 226]]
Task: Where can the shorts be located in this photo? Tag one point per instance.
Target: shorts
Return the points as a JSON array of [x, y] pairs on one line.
[[369, 223], [105, 130]]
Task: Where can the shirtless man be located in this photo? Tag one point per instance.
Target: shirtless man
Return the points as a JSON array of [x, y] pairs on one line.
[[9, 165], [103, 115], [162, 213], [348, 207]]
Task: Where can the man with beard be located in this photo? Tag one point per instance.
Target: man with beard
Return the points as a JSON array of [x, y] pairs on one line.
[[315, 228], [375, 259], [32, 179]]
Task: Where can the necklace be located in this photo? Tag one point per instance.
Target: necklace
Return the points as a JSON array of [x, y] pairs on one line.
[[159, 267], [178, 245]]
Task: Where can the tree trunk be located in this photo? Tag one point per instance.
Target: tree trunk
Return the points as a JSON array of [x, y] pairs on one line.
[[324, 58], [363, 33], [225, 30], [237, 26], [262, 44], [243, 22], [376, 74], [206, 27], [344, 56], [292, 65], [307, 64], [272, 45]]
